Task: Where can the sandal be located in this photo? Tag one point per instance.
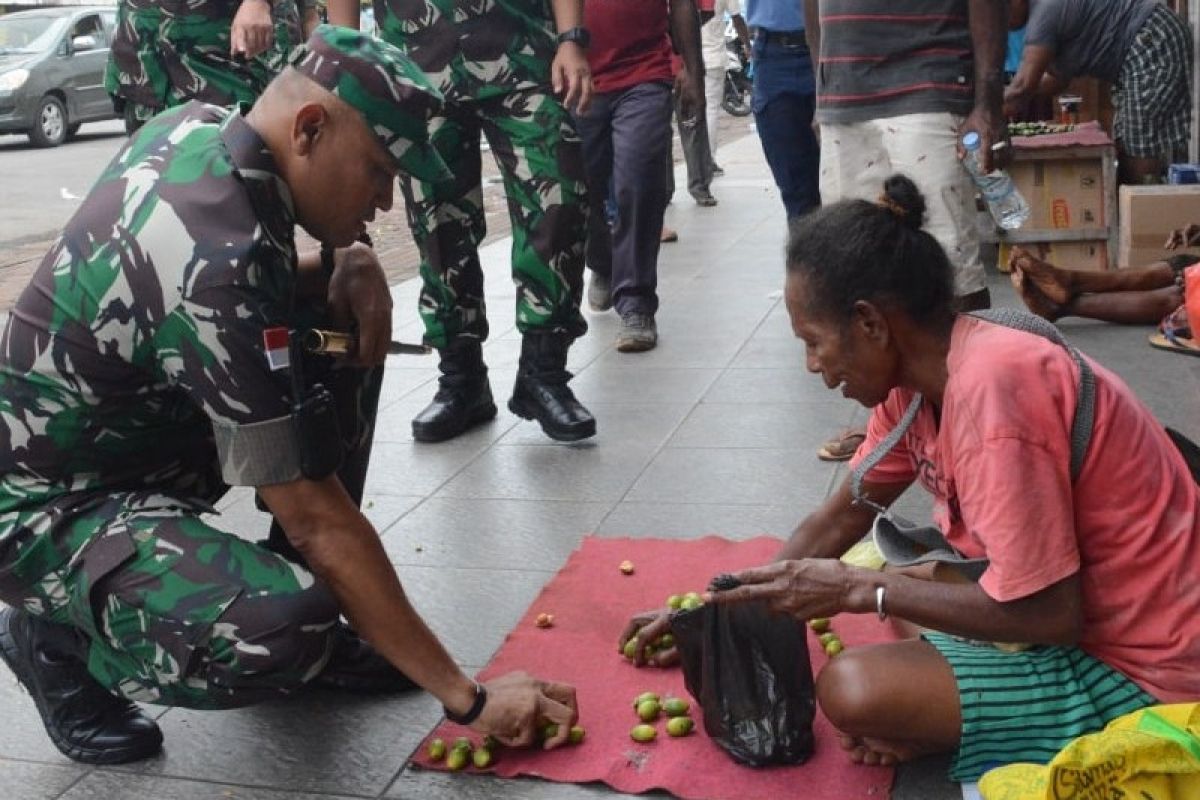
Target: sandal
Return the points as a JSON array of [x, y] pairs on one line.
[[1175, 334], [843, 447]]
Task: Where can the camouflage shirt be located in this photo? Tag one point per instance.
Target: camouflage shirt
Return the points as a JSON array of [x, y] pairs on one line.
[[141, 333], [473, 49]]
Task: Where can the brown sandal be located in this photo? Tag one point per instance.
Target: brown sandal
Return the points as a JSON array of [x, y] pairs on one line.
[[843, 447]]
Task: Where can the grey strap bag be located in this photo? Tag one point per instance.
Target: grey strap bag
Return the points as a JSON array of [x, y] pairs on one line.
[[904, 543]]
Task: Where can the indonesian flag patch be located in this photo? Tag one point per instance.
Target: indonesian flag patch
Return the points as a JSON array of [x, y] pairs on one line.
[[275, 343]]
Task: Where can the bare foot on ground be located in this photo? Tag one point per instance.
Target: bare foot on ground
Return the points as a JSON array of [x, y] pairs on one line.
[[1050, 281], [872, 752], [1034, 299]]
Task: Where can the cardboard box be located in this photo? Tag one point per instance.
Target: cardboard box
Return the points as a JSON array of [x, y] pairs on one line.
[[1069, 255], [1148, 214], [1063, 192]]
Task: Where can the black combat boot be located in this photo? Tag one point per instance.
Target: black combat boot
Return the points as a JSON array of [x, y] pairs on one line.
[[541, 392], [356, 666], [464, 397], [85, 721]]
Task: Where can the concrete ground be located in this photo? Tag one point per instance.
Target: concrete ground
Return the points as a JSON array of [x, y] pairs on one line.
[[715, 430]]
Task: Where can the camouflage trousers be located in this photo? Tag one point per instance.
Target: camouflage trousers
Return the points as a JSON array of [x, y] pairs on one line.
[[160, 59], [538, 151], [176, 611]]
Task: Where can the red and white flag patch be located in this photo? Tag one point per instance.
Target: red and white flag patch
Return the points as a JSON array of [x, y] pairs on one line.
[[275, 343]]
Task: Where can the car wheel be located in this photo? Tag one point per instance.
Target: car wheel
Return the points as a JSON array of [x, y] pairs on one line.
[[50, 124], [73, 129]]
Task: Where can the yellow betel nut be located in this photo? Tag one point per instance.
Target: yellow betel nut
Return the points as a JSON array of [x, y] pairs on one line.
[[643, 733], [680, 726]]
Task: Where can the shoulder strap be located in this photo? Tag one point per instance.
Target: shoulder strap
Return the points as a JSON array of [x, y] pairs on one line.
[[1081, 423]]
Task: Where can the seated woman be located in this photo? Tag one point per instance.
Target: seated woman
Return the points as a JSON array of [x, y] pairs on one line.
[[1153, 293], [1097, 572]]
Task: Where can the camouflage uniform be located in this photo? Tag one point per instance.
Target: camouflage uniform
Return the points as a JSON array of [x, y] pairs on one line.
[[491, 60], [167, 52], [135, 385]]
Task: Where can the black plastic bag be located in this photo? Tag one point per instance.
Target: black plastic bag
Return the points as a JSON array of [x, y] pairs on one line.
[[749, 671]]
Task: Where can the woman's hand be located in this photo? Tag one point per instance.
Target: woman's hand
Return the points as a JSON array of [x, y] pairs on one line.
[[648, 627], [804, 588]]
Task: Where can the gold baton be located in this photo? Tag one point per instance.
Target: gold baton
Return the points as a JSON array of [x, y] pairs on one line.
[[339, 343]]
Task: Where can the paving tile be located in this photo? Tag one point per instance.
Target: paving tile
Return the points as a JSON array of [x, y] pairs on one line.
[[430, 785], [750, 477], [792, 426], [677, 348], [769, 386], [582, 471], [618, 383], [503, 534], [106, 785], [245, 520], [30, 780], [325, 742], [617, 425], [22, 735], [692, 520], [408, 468]]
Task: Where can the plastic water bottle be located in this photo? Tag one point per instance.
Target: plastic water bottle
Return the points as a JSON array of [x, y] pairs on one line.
[[1008, 207]]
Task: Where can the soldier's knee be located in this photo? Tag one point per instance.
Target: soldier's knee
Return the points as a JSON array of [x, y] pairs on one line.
[[272, 644]]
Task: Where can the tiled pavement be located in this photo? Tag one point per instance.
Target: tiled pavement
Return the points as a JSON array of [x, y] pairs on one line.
[[713, 431]]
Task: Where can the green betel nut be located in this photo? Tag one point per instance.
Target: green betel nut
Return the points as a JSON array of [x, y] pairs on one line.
[[549, 731], [643, 733], [643, 697], [631, 648], [674, 601], [462, 743], [577, 734], [482, 758], [679, 726], [457, 759], [648, 710], [437, 750], [676, 707]]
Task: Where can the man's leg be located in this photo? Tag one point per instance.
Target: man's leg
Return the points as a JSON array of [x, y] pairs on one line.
[[541, 160], [783, 101], [448, 223], [641, 124], [714, 86], [595, 131], [693, 137]]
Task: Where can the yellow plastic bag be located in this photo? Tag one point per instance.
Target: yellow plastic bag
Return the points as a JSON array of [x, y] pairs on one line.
[[1150, 754]]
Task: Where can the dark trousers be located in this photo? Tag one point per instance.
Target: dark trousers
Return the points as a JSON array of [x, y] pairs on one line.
[[697, 151], [626, 140], [783, 101]]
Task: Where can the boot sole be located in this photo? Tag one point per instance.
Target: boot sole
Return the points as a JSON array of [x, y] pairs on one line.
[[475, 418], [10, 653], [557, 434]]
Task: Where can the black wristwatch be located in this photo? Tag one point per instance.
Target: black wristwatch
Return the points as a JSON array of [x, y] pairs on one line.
[[471, 713], [578, 35]]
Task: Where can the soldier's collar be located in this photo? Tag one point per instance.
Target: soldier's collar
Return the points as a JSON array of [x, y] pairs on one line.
[[269, 193]]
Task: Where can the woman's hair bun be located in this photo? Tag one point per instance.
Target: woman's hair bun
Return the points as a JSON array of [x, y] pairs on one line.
[[902, 198]]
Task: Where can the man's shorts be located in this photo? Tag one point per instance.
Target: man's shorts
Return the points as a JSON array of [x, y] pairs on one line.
[[857, 157], [1153, 96], [1026, 706]]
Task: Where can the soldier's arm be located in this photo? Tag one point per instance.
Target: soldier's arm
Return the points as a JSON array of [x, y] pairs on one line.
[[344, 13]]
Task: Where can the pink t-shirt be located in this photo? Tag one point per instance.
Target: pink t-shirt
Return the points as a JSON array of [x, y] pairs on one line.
[[999, 468]]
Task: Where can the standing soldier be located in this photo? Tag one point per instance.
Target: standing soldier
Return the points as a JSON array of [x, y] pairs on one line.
[[151, 363], [224, 52], [495, 62]]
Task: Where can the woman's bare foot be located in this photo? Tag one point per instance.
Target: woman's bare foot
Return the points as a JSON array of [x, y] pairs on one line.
[[1054, 283], [873, 752], [1034, 299]]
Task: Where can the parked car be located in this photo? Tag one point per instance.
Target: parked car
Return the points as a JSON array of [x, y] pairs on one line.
[[52, 63]]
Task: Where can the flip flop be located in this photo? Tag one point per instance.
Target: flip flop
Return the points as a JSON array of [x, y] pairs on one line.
[[843, 447], [1175, 335]]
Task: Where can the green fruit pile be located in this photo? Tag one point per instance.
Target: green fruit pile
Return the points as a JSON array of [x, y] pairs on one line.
[[829, 640], [1037, 128], [685, 602], [464, 751], [649, 707]]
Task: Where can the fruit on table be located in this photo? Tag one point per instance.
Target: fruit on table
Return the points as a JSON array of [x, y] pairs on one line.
[[437, 750], [675, 706], [577, 734], [680, 726], [643, 733], [626, 567], [648, 710]]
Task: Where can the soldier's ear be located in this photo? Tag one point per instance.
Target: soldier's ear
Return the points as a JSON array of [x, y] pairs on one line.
[[312, 122]]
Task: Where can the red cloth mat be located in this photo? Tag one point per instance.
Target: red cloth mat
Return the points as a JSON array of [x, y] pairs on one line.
[[591, 601], [1085, 134]]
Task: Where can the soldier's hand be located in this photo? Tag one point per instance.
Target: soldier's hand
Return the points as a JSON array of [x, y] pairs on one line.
[[253, 30], [358, 294], [571, 77], [519, 705]]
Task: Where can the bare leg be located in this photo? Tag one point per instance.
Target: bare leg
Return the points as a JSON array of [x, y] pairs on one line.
[[1062, 285], [1033, 297], [892, 702], [1130, 308]]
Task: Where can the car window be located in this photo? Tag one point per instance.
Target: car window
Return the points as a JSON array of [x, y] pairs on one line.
[[90, 26], [33, 33]]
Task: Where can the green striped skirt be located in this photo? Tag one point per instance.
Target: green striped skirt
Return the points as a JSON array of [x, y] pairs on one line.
[[1027, 706]]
